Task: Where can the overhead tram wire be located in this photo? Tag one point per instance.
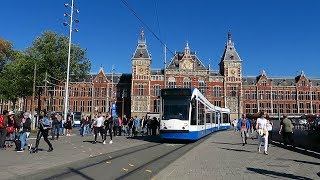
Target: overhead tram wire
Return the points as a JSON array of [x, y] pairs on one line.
[[148, 28]]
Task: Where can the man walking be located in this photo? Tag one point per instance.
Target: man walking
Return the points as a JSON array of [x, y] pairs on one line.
[[286, 129], [44, 126]]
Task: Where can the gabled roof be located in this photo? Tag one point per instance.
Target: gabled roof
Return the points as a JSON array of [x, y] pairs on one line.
[[187, 54], [141, 50], [230, 53], [279, 81]]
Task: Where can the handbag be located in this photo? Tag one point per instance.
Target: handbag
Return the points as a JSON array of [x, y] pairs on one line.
[[10, 129]]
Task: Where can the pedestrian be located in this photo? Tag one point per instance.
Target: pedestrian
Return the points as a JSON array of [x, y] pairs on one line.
[[130, 126], [68, 125], [149, 126], [3, 128], [109, 124], [125, 125], [269, 129], [56, 124], [25, 128], [244, 127], [120, 125], [98, 125], [235, 125], [154, 126], [10, 130], [136, 125], [115, 126], [286, 130], [261, 127], [43, 130]]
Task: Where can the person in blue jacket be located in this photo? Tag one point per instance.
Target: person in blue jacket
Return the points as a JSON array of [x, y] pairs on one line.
[[43, 130], [244, 127]]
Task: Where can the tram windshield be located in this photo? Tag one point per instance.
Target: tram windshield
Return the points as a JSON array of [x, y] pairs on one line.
[[175, 108]]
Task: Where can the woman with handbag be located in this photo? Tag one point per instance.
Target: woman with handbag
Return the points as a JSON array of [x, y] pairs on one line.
[[10, 130], [261, 127]]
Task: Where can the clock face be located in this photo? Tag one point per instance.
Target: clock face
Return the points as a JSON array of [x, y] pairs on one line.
[[232, 71], [186, 64], [140, 70]]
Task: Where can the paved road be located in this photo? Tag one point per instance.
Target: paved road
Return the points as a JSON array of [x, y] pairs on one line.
[[219, 156], [222, 156], [66, 150]]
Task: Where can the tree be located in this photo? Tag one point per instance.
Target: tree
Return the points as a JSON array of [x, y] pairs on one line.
[[50, 53], [5, 52]]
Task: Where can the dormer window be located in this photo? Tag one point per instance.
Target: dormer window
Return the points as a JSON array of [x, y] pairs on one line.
[[303, 83], [231, 57], [264, 83], [100, 79]]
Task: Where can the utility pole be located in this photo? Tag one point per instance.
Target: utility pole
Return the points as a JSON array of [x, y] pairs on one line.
[[164, 62], [122, 109], [33, 127], [45, 92]]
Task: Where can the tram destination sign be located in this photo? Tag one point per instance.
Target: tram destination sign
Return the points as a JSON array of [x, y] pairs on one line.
[[176, 92]]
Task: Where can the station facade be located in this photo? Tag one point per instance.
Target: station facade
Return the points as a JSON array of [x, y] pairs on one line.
[[138, 93]]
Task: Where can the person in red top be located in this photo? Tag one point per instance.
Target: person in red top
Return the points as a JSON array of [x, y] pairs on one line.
[[244, 127]]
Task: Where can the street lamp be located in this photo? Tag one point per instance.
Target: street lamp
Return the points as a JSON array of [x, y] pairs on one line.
[[69, 51]]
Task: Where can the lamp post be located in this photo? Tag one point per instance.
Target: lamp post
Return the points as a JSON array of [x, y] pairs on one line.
[[69, 51]]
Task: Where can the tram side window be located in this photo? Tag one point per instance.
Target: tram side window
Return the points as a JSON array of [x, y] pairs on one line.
[[201, 113], [193, 112], [213, 117], [225, 118], [208, 117]]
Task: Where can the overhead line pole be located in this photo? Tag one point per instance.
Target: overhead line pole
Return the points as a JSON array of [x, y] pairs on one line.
[[33, 122]]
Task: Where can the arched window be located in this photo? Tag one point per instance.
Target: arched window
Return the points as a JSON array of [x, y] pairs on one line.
[[216, 91], [172, 82], [186, 82]]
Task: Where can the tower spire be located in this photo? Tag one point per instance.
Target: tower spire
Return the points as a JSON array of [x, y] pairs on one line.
[[229, 37], [187, 49], [142, 39]]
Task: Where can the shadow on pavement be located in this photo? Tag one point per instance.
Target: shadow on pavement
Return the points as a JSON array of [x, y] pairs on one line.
[[226, 143], [80, 174], [301, 151], [157, 139], [239, 150], [306, 162], [274, 173]]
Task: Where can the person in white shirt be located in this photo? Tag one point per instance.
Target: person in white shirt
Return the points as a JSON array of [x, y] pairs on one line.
[[98, 125], [261, 127], [269, 129]]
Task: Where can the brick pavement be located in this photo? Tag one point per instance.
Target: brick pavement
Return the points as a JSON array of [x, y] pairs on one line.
[[222, 156], [66, 150]]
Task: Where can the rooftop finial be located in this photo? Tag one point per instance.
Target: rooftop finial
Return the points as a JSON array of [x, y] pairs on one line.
[[187, 49], [229, 37], [142, 38]]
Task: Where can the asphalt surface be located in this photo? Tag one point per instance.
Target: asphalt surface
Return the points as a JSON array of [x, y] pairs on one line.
[[139, 162]]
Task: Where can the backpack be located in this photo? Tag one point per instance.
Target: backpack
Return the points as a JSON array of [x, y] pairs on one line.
[[1, 121]]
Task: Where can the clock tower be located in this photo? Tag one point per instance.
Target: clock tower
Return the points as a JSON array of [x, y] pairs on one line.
[[141, 61], [231, 69]]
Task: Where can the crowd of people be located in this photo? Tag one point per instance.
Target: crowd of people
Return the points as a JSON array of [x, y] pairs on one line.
[[262, 129], [117, 126]]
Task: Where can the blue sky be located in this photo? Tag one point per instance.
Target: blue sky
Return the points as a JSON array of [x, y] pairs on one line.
[[278, 36]]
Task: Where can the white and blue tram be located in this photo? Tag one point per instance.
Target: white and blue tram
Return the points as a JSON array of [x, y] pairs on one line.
[[186, 114]]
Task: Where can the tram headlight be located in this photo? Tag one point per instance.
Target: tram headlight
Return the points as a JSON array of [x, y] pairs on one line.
[[183, 128]]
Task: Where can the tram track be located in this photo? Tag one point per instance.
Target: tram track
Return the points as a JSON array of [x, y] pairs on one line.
[[139, 162]]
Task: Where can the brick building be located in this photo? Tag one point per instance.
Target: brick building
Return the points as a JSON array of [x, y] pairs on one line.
[[138, 93]]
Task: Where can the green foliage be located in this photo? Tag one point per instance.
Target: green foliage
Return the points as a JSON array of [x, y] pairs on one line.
[[50, 54], [5, 52]]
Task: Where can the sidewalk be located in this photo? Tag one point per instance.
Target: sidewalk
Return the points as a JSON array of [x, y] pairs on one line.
[[66, 150], [222, 156]]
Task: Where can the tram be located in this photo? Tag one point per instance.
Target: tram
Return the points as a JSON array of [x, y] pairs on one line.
[[186, 114]]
